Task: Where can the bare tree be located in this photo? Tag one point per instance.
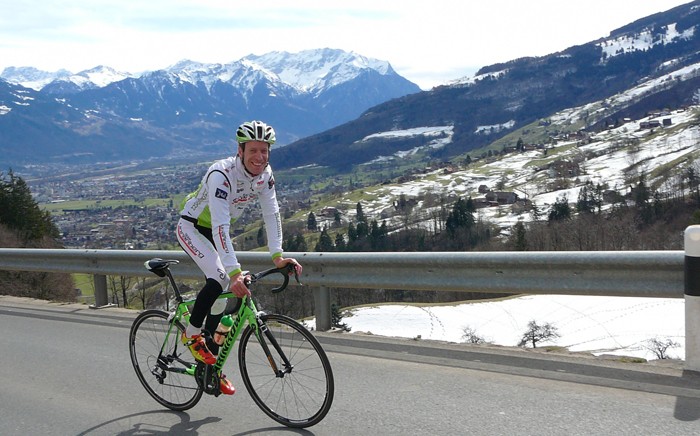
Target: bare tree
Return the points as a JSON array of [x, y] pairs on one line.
[[471, 337], [660, 347], [120, 284], [536, 333]]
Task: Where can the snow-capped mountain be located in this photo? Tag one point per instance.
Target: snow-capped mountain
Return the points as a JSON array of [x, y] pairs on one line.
[[308, 71], [316, 70], [31, 77], [187, 108], [93, 78], [656, 55], [54, 82]]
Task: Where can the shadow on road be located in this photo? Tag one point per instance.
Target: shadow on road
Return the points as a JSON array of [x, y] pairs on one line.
[[140, 424]]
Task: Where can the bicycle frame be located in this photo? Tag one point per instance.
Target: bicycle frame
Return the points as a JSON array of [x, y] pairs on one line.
[[247, 314]]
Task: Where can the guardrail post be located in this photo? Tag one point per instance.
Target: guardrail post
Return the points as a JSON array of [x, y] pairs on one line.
[[692, 298], [101, 299], [322, 307]]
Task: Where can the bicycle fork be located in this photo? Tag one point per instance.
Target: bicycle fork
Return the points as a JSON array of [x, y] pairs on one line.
[[262, 333]]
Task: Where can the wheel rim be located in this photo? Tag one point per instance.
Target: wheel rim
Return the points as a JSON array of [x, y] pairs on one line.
[[303, 395], [175, 390]]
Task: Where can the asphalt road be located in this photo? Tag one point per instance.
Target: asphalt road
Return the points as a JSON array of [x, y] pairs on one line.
[[65, 370]]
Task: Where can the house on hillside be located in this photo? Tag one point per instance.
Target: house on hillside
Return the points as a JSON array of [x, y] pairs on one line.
[[328, 212], [501, 197], [651, 124], [563, 168], [521, 205]]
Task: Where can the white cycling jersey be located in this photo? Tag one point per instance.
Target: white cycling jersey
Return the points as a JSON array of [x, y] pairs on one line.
[[222, 196]]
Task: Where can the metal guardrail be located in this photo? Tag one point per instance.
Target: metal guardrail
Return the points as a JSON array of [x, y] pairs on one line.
[[663, 274], [602, 273]]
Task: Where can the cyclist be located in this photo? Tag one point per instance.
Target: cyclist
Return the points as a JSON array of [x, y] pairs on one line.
[[227, 188]]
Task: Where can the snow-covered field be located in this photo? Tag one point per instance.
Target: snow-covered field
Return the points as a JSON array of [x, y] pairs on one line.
[[600, 325], [614, 158]]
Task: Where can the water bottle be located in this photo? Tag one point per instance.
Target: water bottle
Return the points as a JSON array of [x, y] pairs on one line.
[[222, 329]]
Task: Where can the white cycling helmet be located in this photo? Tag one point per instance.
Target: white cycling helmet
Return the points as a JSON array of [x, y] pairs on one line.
[[255, 131]]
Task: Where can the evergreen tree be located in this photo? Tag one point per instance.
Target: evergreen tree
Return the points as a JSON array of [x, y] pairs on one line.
[[585, 202], [693, 181], [518, 237], [294, 242], [362, 225], [260, 237], [360, 215], [362, 230], [535, 212], [352, 233], [311, 223], [21, 213], [300, 243], [340, 244], [24, 224], [325, 243], [336, 219], [377, 238], [560, 209], [462, 215]]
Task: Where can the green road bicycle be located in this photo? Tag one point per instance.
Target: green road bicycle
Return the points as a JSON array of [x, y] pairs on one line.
[[282, 364]]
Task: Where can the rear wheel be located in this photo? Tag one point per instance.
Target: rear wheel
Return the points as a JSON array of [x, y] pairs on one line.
[[163, 365], [300, 393]]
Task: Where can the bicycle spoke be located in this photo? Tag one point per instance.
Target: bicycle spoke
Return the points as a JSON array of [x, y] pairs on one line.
[[301, 395], [164, 373]]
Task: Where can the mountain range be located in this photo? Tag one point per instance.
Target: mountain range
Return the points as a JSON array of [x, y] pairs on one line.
[[189, 109], [511, 97]]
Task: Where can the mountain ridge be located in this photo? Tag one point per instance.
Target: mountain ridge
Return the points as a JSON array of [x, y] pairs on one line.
[[188, 108], [521, 91]]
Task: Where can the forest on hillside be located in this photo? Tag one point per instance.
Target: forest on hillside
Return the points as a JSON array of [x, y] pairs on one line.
[[644, 220], [24, 225]]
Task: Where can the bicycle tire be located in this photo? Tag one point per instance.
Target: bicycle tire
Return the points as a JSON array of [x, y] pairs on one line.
[[166, 381], [300, 398]]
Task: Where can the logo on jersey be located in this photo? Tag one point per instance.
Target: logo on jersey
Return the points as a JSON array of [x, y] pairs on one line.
[[271, 183], [188, 244], [244, 198], [222, 274], [220, 193]]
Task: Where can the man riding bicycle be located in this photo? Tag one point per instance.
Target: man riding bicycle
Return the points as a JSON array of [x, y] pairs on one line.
[[227, 188]]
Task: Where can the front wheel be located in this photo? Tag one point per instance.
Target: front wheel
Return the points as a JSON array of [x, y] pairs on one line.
[[299, 391], [163, 365]]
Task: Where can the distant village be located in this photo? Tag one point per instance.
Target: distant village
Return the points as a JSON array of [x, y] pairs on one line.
[[138, 225]]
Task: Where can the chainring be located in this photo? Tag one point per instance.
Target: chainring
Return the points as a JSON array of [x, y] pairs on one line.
[[207, 379]]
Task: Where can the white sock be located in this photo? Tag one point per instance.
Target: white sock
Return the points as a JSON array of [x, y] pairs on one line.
[[192, 330]]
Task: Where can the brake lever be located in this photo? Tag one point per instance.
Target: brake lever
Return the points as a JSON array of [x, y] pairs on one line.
[[293, 269]]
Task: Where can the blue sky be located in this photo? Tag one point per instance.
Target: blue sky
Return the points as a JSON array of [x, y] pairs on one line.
[[428, 42]]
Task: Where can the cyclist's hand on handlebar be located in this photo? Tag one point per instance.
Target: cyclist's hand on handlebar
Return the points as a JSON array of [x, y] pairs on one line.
[[281, 262], [238, 286]]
